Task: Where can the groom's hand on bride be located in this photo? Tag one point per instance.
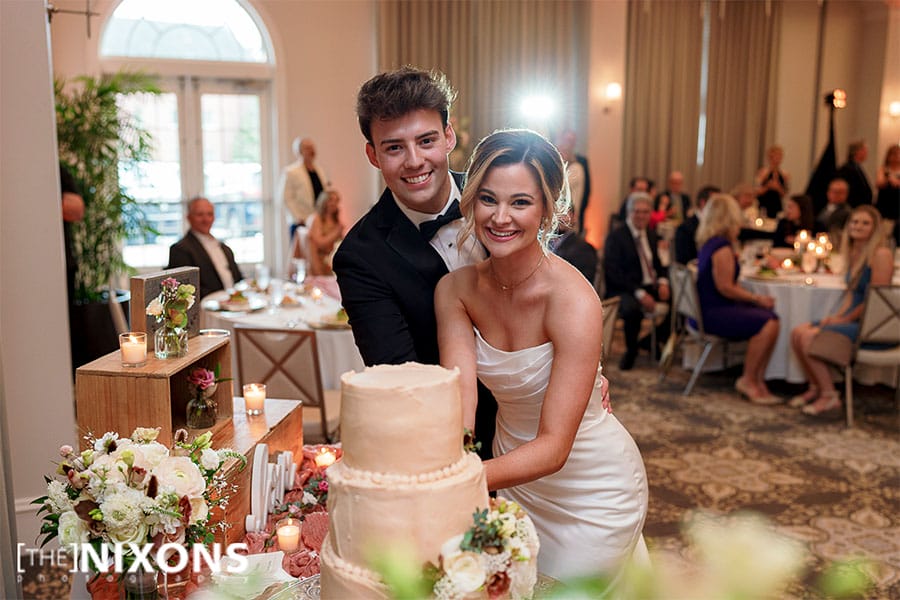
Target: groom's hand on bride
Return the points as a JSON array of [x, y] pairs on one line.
[[604, 392]]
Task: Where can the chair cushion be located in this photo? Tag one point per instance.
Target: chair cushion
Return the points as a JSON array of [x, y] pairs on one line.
[[889, 358]]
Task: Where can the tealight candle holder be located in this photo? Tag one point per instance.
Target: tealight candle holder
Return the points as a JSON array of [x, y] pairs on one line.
[[325, 457], [255, 398], [288, 533], [133, 346]]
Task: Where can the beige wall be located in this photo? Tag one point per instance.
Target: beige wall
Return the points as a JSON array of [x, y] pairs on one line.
[[35, 380]]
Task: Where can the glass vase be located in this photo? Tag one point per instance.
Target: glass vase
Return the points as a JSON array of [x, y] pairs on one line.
[[170, 343], [140, 585], [201, 412]]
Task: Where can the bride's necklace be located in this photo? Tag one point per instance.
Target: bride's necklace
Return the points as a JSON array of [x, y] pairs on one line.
[[512, 286]]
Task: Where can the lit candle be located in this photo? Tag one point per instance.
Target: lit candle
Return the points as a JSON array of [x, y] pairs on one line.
[[811, 246], [255, 398], [133, 346], [803, 235], [788, 263], [759, 222], [820, 251], [288, 532], [316, 294], [325, 457], [823, 239]]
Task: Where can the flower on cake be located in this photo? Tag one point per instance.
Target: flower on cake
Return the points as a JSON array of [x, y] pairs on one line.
[[497, 555], [136, 490]]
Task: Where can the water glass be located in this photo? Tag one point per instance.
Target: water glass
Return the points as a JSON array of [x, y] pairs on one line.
[[299, 265], [276, 295], [262, 277], [809, 262]]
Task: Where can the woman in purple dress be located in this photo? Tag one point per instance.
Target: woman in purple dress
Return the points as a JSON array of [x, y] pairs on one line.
[[729, 310]]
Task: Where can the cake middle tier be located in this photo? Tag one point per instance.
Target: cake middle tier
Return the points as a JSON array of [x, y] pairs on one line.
[[370, 511], [401, 418]]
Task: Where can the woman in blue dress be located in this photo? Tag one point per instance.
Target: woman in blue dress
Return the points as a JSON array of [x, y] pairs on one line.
[[868, 262], [729, 310]]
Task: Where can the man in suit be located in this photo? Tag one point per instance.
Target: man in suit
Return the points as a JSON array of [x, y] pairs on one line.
[[390, 262], [686, 233], [852, 172], [301, 183], [578, 174], [835, 214], [635, 274], [679, 200], [198, 248]]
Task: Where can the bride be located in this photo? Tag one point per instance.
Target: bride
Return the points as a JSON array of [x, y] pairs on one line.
[[528, 325]]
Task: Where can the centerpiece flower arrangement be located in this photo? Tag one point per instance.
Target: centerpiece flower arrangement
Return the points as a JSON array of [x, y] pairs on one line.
[[496, 556], [202, 408], [126, 493], [170, 310]]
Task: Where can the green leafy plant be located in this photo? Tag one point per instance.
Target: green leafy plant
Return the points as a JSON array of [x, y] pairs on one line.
[[94, 135]]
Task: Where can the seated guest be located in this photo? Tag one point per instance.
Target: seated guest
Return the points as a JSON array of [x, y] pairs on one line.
[[833, 217], [729, 310], [637, 184], [680, 201], [662, 211], [324, 232], [635, 274], [868, 262], [772, 183], [571, 246], [685, 235], [797, 215], [198, 248]]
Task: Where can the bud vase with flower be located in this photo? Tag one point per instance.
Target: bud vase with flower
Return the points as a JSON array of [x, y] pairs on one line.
[[202, 408], [170, 310]]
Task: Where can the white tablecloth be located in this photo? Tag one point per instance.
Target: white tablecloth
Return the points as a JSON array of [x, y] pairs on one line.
[[337, 350], [799, 299]]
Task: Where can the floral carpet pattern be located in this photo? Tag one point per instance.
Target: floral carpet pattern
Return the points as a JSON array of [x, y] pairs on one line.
[[836, 490]]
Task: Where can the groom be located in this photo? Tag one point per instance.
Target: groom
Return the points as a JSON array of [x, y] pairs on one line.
[[390, 262]]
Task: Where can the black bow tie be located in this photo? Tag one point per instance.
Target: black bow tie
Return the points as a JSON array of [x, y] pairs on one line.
[[429, 228]]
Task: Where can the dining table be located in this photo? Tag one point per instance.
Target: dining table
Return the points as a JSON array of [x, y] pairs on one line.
[[287, 305], [799, 298]]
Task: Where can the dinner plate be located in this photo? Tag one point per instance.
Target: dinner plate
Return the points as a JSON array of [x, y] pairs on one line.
[[252, 305], [328, 324]]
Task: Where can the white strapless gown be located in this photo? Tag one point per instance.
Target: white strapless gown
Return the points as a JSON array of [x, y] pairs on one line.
[[589, 514]]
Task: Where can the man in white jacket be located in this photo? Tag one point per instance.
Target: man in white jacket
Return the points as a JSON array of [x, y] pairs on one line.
[[301, 183]]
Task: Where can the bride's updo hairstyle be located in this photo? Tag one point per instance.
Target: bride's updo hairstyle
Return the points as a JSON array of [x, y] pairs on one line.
[[511, 147]]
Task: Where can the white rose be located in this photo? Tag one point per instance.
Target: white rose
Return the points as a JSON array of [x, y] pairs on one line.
[[148, 456], [466, 572], [72, 529], [144, 435], [155, 308], [209, 459], [308, 498], [180, 474], [199, 510], [123, 515]]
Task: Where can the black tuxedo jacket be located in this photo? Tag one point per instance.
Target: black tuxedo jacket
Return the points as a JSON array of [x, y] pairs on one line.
[[189, 252], [387, 274], [586, 197], [622, 264], [685, 242], [860, 189], [578, 252]]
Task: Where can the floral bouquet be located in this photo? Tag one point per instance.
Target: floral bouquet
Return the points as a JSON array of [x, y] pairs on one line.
[[496, 557], [202, 408], [128, 493], [170, 310]]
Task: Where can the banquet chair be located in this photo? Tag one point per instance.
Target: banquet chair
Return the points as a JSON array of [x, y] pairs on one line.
[[879, 338], [686, 308], [287, 361], [610, 313]]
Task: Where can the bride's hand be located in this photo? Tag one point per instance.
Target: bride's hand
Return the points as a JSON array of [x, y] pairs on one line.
[[606, 403]]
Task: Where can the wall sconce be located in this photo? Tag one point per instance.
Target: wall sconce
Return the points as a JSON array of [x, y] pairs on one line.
[[836, 98], [611, 93], [894, 109]]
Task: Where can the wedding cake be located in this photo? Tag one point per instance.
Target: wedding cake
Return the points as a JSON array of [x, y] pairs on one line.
[[404, 479]]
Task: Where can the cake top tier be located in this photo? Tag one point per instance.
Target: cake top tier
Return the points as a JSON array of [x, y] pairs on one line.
[[401, 419]]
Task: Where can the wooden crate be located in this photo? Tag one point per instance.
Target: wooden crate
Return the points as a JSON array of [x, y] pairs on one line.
[[110, 397]]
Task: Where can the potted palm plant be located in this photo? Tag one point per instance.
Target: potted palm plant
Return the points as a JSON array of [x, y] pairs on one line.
[[94, 136]]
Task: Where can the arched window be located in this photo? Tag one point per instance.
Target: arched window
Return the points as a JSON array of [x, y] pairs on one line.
[[210, 126]]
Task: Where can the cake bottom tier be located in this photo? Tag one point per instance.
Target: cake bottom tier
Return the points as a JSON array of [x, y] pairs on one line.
[[339, 580], [369, 513]]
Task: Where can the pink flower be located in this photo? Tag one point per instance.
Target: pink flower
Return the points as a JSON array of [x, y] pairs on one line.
[[66, 450], [169, 282], [202, 378], [323, 486]]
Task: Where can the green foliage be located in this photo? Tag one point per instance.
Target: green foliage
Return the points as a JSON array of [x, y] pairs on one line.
[[93, 136]]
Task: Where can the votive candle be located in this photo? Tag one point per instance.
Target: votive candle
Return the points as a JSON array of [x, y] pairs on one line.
[[288, 532], [788, 263], [255, 398], [325, 457], [133, 346]]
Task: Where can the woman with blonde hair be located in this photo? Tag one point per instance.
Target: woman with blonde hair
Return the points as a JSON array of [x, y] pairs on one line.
[[868, 262], [729, 310], [527, 324], [325, 230]]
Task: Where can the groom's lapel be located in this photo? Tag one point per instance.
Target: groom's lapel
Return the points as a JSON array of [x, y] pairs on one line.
[[404, 238]]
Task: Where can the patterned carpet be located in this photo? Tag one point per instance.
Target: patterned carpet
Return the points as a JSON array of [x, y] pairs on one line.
[[836, 490]]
